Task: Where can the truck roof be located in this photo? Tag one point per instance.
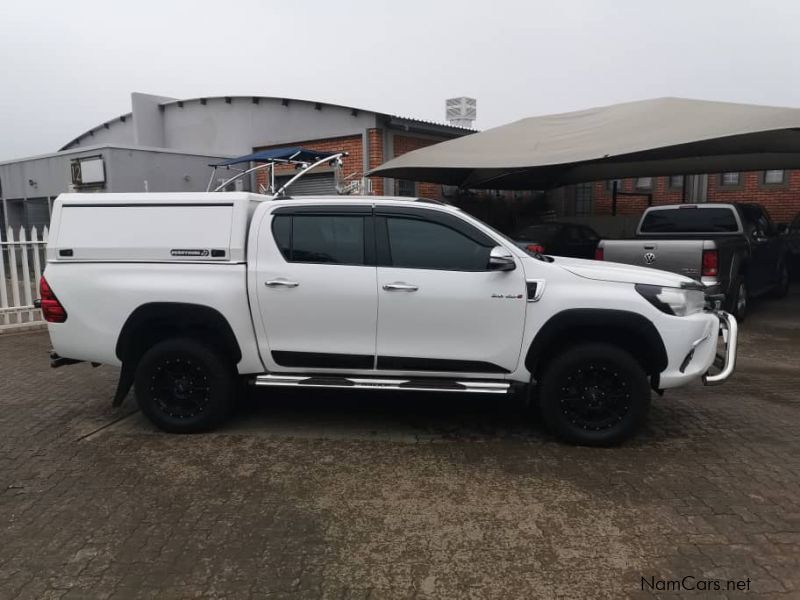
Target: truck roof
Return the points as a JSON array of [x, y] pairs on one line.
[[183, 226], [215, 198]]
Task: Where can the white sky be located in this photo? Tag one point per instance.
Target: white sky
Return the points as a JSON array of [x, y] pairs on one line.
[[68, 66]]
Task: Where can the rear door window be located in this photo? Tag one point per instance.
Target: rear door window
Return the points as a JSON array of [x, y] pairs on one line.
[[690, 220]]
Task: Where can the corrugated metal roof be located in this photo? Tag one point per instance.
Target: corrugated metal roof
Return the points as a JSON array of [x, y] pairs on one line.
[[421, 122]]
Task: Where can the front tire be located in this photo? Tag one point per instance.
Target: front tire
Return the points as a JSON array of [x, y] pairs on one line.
[[184, 386], [594, 394], [739, 299]]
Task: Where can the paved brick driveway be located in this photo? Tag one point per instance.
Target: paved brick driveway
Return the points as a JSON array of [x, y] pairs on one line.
[[383, 496]]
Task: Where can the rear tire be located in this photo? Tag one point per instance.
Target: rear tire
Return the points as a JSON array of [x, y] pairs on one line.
[[184, 386], [739, 299], [594, 394], [782, 288]]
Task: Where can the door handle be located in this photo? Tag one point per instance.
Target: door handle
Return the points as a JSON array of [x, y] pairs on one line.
[[281, 283], [400, 287]]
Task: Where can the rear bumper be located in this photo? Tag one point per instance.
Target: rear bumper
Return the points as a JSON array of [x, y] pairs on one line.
[[729, 332]]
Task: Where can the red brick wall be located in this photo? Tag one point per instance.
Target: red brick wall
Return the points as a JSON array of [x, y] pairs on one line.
[[632, 205], [375, 142], [352, 163], [782, 201], [407, 143]]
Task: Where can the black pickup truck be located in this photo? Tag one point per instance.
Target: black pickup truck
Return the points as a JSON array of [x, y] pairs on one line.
[[733, 249]]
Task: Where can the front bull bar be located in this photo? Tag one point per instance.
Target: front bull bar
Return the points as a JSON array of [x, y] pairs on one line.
[[729, 330]]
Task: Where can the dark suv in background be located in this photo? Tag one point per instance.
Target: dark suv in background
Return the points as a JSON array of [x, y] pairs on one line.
[[557, 238]]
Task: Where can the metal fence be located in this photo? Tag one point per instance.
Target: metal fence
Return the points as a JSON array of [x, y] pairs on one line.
[[21, 262]]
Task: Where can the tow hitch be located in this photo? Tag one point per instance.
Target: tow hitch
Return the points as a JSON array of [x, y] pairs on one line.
[[59, 361]]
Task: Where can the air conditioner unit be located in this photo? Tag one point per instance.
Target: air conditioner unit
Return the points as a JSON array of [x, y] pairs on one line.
[[462, 111]]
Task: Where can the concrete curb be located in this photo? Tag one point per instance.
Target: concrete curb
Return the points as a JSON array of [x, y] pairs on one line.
[[23, 328]]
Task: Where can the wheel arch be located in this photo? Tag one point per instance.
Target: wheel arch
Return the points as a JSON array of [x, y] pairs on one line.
[[629, 330], [153, 322]]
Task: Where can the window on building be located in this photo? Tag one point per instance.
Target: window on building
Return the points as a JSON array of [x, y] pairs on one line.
[[583, 198], [676, 181], [729, 179], [417, 244], [406, 188], [644, 183], [320, 238], [774, 176], [610, 184]]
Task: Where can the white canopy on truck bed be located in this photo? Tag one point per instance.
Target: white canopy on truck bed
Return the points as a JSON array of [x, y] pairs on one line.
[[153, 227]]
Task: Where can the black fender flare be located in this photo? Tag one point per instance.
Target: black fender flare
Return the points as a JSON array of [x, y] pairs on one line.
[[630, 330], [155, 321]]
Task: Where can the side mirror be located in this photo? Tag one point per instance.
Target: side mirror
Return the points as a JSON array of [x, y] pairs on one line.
[[501, 259]]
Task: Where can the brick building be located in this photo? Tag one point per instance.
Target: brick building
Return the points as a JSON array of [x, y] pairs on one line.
[[166, 145], [777, 190], [381, 144]]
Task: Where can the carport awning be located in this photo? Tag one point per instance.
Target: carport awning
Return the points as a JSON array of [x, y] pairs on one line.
[[664, 136]]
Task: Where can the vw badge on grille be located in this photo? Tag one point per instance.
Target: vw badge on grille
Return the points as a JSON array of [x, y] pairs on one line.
[[649, 258]]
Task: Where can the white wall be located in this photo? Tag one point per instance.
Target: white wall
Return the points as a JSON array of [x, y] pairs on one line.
[[240, 126], [233, 128]]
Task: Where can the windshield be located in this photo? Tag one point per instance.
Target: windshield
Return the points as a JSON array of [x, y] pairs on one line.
[[690, 220]]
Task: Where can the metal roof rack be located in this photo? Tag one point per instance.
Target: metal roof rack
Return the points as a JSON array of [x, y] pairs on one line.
[[303, 159]]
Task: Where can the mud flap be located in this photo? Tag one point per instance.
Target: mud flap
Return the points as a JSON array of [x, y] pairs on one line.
[[124, 384]]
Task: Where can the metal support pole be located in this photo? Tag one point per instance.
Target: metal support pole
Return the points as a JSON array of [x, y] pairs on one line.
[[614, 198], [683, 189]]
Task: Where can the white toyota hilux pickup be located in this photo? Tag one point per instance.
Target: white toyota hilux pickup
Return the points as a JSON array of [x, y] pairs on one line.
[[190, 293]]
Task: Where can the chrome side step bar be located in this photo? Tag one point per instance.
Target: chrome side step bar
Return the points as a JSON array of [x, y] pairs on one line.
[[381, 383]]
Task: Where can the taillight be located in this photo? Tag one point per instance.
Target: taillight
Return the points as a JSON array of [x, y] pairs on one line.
[[536, 248], [710, 263], [598, 254], [52, 310]]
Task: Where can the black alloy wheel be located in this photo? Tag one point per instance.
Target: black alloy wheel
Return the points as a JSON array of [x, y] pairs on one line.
[[180, 388], [594, 394], [185, 386]]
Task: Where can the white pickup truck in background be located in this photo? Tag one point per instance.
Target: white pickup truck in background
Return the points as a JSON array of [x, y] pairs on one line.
[[189, 293]]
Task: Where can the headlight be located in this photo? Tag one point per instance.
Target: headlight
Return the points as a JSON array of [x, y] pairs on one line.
[[673, 301]]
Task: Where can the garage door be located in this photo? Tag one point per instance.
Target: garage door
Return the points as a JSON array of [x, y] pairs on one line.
[[313, 184]]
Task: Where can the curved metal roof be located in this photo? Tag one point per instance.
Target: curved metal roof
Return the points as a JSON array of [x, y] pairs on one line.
[[254, 99]]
